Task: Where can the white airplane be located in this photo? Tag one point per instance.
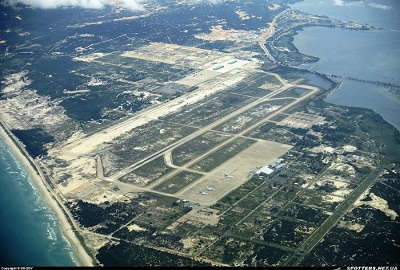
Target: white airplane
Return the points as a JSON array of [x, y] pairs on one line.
[[210, 188], [228, 176], [203, 193]]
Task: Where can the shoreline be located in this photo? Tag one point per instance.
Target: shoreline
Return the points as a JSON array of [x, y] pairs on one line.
[[50, 198]]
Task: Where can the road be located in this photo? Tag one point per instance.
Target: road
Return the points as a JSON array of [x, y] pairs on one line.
[[83, 146], [195, 134], [216, 123], [332, 220], [235, 137], [269, 33], [166, 151]]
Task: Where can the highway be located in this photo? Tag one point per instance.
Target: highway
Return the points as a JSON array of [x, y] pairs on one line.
[[332, 220], [267, 34]]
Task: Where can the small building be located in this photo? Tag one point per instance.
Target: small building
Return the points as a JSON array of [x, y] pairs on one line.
[[264, 171]]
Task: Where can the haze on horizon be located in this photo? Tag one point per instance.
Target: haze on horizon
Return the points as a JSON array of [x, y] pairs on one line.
[[133, 5]]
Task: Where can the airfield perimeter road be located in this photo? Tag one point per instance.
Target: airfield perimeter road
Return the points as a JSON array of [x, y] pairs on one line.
[[267, 34], [166, 149], [201, 131], [331, 221], [151, 111], [83, 146]]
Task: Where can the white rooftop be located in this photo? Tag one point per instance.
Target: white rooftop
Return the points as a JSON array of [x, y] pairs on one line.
[[265, 170]]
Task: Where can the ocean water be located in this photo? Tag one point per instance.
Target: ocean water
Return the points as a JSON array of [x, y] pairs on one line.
[[367, 55], [30, 233]]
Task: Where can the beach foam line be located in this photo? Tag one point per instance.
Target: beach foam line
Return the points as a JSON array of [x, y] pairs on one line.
[[49, 197]]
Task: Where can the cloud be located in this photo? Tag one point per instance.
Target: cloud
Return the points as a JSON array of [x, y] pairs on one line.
[[135, 5], [338, 2], [212, 1], [92, 4], [132, 5], [195, 2], [385, 7]]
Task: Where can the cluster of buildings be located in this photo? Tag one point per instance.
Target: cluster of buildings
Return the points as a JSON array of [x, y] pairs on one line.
[[270, 168]]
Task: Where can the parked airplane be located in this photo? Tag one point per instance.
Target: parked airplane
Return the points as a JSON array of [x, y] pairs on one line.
[[210, 188], [228, 176], [203, 193]]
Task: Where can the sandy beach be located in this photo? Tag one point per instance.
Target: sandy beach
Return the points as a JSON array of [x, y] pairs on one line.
[[50, 197]]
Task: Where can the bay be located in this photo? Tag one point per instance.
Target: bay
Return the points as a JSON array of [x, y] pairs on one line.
[[365, 55]]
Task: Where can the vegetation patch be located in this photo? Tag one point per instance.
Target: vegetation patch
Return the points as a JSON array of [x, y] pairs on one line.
[[34, 140], [223, 154], [194, 148], [127, 254], [283, 231], [304, 213], [252, 116], [177, 182], [209, 110], [147, 173]]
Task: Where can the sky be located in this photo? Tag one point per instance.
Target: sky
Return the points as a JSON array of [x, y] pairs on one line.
[[134, 5], [137, 5]]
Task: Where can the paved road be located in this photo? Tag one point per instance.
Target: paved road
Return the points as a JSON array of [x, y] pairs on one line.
[[195, 134], [216, 123], [145, 115], [332, 220], [167, 150], [269, 33]]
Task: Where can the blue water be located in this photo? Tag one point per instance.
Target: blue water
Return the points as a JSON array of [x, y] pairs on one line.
[[369, 55], [30, 233]]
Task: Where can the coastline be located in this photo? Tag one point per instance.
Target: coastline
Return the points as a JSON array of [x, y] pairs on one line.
[[51, 199]]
